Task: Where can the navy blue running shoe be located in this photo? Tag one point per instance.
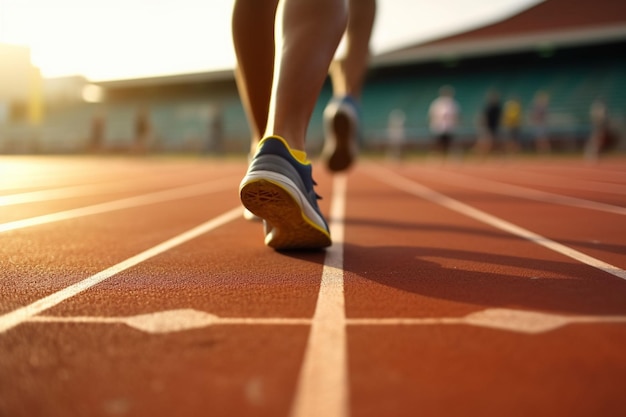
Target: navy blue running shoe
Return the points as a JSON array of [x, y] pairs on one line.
[[279, 189]]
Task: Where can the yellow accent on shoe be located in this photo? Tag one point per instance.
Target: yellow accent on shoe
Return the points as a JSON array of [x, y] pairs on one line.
[[299, 155]]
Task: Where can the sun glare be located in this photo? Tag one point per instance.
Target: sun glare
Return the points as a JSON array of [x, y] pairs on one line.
[[120, 38], [108, 39]]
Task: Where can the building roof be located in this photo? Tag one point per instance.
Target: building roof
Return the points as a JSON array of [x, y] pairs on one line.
[[189, 78], [549, 24]]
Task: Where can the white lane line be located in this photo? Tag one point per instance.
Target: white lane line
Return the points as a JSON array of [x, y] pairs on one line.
[[527, 193], [531, 178], [70, 191], [125, 203], [14, 318], [389, 177], [519, 321], [322, 388], [53, 194]]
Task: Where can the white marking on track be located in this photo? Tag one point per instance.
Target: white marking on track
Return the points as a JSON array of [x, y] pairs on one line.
[[389, 177], [577, 184], [527, 193], [15, 317], [519, 321], [322, 388], [125, 203], [81, 190], [47, 195], [172, 320]]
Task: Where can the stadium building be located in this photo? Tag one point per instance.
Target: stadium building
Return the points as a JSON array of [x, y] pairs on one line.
[[573, 50], [21, 102]]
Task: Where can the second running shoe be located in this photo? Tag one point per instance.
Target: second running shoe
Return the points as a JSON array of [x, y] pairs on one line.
[[341, 131], [279, 189]]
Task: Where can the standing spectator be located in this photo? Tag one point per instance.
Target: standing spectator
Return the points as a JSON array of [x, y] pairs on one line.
[[599, 130], [489, 123], [215, 130], [539, 121], [96, 139], [443, 116], [512, 122], [143, 130], [396, 133]]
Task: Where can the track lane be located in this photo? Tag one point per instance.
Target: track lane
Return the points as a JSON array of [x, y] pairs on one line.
[[121, 204], [40, 260], [585, 229], [409, 258], [546, 191]]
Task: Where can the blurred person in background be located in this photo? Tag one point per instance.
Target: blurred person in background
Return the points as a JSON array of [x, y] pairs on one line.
[[512, 122], [284, 52], [396, 133], [539, 122], [489, 127], [96, 137], [601, 138], [143, 131], [443, 116]]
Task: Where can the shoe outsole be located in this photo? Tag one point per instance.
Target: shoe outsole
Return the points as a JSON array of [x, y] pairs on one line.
[[342, 156], [341, 132], [289, 227], [250, 216]]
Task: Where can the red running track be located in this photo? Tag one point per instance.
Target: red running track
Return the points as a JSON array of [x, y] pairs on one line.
[[134, 287]]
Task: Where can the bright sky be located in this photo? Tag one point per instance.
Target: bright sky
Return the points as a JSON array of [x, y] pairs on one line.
[[111, 39]]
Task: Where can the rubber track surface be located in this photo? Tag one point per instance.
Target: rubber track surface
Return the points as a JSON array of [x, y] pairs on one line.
[[134, 287]]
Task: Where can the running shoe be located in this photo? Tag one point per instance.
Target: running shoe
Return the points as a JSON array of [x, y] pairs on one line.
[[341, 130], [279, 189]]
